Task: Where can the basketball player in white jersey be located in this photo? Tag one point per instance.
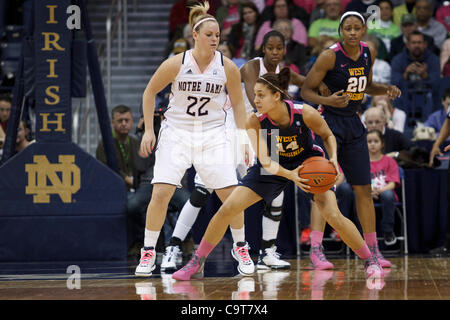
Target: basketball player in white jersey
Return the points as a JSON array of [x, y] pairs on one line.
[[194, 130], [188, 215]]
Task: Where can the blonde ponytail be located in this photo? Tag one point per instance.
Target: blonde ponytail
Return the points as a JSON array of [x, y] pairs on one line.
[[197, 13]]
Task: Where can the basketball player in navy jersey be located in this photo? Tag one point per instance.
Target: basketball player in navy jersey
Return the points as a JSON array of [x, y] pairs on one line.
[[346, 69], [281, 136]]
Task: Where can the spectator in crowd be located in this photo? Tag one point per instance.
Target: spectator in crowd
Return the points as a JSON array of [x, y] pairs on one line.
[[296, 53], [445, 59], [384, 179], [394, 141], [228, 51], [408, 25], [443, 15], [427, 24], [281, 11], [228, 15], [326, 26], [415, 63], [270, 11], [323, 42], [408, 7], [381, 70], [126, 145], [360, 5], [242, 35], [318, 12], [5, 110], [437, 118], [396, 117], [386, 30], [181, 44], [179, 16], [22, 133]]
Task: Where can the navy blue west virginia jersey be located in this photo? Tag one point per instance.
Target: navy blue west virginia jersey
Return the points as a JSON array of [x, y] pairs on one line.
[[349, 75], [288, 146]]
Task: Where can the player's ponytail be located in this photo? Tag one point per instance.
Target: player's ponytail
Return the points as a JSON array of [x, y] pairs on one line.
[[198, 14], [277, 82]]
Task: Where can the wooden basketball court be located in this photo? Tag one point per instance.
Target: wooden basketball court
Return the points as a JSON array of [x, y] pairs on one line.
[[414, 277]]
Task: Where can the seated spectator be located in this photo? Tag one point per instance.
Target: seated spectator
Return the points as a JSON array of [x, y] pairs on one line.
[[308, 5], [281, 11], [242, 35], [296, 53], [443, 15], [394, 141], [326, 26], [179, 16], [228, 50], [227, 15], [415, 63], [396, 117], [437, 118], [384, 179], [427, 24], [386, 30], [408, 25], [381, 70], [323, 42], [445, 59], [126, 146], [182, 44], [22, 133], [297, 12], [359, 5], [408, 7], [5, 112]]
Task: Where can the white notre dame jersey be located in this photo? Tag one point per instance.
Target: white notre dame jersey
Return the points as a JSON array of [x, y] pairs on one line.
[[198, 99], [262, 71]]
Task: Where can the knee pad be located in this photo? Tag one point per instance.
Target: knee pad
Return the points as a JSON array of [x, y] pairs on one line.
[[199, 196], [273, 211]]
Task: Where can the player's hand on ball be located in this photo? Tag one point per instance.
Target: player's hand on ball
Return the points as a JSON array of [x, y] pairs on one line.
[[147, 143], [336, 166], [300, 182]]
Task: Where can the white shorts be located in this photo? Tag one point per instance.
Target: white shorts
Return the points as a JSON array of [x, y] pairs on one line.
[[209, 152]]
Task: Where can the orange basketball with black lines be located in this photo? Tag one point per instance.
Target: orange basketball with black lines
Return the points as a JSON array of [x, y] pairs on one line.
[[320, 172]]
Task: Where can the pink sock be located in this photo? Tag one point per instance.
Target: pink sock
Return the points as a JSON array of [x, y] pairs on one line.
[[316, 238], [364, 252], [371, 239], [204, 248]]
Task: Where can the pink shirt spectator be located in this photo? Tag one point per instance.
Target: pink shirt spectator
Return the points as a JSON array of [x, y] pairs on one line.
[[232, 18], [308, 5], [443, 16], [383, 171], [300, 34], [445, 58]]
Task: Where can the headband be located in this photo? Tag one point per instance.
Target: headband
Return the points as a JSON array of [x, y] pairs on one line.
[[201, 21], [350, 13], [280, 90]]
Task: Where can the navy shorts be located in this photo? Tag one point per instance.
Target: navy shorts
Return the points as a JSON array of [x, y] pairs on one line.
[[353, 153], [269, 186]]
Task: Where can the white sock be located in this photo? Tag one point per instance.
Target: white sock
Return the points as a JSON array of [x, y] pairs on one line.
[[151, 238], [186, 220], [238, 235]]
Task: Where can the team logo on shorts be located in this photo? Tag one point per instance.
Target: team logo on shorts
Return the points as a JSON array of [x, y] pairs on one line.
[[41, 171]]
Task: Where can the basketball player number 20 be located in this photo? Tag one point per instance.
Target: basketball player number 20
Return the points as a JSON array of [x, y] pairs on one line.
[[194, 101], [357, 84]]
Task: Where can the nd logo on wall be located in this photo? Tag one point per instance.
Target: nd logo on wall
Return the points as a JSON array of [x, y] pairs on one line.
[[45, 178]]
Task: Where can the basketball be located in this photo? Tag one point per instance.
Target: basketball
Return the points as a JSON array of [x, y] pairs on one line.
[[320, 172]]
